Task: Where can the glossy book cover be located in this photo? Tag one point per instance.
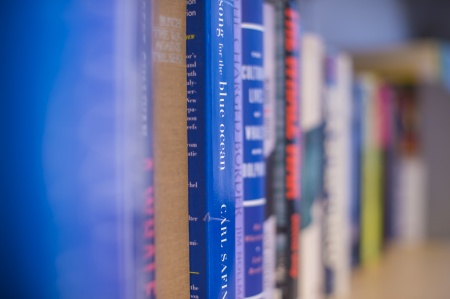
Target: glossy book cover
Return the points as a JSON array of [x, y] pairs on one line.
[[211, 141]]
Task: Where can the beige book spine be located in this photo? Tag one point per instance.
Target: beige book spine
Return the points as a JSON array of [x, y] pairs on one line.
[[170, 148]]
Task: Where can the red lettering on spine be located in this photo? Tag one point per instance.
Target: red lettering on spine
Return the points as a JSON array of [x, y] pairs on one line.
[[292, 131], [292, 172], [291, 29], [292, 111]]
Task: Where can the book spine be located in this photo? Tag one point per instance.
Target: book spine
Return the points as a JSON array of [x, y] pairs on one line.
[[211, 141], [355, 205], [254, 162], [292, 145], [146, 282], [345, 77], [371, 208], [337, 223], [269, 243], [93, 194], [276, 171], [409, 216], [133, 146], [389, 162], [170, 155], [312, 176], [238, 152], [330, 176]]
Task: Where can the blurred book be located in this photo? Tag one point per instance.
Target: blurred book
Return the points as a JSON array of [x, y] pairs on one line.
[[312, 120], [408, 68], [357, 167], [372, 188], [98, 157], [337, 175], [288, 204], [270, 144]]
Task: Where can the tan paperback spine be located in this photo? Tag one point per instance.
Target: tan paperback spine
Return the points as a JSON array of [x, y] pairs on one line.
[[170, 148]]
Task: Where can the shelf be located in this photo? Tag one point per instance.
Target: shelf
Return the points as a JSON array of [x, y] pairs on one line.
[[406, 272]]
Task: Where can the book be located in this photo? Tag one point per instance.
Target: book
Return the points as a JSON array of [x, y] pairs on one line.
[[356, 176], [312, 120], [145, 277], [287, 193], [211, 142], [372, 189], [410, 216], [389, 160], [270, 225], [238, 153], [336, 246], [99, 116], [275, 184], [253, 146], [171, 157]]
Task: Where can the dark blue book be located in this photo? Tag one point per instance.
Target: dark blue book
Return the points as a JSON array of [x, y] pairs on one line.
[[239, 152], [254, 161], [211, 132]]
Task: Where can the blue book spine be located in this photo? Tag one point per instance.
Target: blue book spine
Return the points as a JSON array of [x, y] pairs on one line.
[[355, 204], [99, 193], [238, 152], [211, 141], [254, 160], [145, 243]]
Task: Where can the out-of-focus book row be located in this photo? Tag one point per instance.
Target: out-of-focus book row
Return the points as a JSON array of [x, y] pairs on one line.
[[216, 151]]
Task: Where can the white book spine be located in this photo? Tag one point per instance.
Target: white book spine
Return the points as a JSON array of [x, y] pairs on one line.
[[311, 277], [337, 250]]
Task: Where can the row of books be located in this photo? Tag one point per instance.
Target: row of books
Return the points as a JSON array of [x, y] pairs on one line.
[[218, 154]]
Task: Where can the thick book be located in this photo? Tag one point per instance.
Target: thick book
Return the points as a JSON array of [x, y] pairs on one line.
[[288, 152], [170, 134], [211, 142], [100, 189], [336, 243], [312, 121], [269, 148], [254, 161], [238, 153]]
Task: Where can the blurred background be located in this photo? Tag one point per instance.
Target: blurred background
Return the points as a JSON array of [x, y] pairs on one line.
[[39, 45], [380, 33]]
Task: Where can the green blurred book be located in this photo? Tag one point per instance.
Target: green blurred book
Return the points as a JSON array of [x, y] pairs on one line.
[[372, 186]]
